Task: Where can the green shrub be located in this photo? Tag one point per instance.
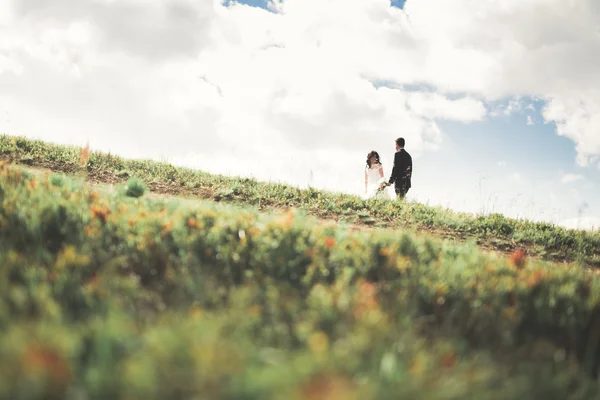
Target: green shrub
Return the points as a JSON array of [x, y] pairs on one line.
[[135, 187]]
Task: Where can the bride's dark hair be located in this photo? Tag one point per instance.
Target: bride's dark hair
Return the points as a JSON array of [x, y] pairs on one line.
[[371, 154]]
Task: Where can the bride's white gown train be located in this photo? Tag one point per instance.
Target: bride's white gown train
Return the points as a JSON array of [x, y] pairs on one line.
[[373, 180]]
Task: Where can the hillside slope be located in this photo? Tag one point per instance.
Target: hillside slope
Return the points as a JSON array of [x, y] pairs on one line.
[[492, 232]]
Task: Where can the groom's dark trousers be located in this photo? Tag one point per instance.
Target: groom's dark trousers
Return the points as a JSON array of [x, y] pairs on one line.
[[401, 173]]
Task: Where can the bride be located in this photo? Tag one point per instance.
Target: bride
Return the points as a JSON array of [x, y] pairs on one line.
[[374, 177]]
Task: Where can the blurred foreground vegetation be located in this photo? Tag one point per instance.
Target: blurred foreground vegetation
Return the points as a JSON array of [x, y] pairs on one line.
[[122, 295]]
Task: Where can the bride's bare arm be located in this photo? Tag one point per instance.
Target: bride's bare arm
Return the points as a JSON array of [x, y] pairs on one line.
[[366, 181], [381, 172]]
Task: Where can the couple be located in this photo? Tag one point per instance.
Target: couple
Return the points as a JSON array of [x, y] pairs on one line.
[[375, 183]]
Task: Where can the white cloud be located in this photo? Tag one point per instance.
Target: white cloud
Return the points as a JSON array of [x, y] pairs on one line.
[[529, 120], [569, 178], [514, 105], [502, 163], [521, 48], [227, 86], [434, 105], [577, 117]]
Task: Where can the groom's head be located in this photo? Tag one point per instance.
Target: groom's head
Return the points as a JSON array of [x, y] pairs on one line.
[[399, 143]]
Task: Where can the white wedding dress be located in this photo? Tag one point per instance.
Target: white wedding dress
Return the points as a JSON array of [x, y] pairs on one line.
[[373, 181]]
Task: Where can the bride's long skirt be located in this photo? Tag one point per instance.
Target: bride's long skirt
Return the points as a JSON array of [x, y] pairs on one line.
[[372, 192]]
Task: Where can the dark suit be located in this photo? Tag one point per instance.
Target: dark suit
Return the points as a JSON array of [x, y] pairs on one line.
[[401, 173]]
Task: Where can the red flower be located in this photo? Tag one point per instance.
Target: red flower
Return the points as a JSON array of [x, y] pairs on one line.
[[517, 258], [329, 242]]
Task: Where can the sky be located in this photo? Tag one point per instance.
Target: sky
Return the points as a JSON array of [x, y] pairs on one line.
[[499, 101]]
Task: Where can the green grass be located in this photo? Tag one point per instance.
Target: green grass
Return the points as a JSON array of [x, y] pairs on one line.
[[495, 232], [104, 295]]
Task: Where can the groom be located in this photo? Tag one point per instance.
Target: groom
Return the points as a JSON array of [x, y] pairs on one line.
[[402, 171]]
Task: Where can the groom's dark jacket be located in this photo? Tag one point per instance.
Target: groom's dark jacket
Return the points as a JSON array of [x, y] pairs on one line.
[[402, 171]]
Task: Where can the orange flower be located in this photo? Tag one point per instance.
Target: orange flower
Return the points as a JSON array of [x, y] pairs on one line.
[[535, 279], [385, 251], [192, 223], [518, 258], [168, 227], [100, 212], [85, 155], [289, 217], [32, 183], [329, 242]]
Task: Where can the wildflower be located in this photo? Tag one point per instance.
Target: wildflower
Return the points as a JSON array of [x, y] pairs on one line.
[[385, 251], [85, 155], [517, 258], [100, 212], [535, 279], [167, 227], [329, 242]]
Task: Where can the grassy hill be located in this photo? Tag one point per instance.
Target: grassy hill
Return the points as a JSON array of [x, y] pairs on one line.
[[493, 232], [115, 291]]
